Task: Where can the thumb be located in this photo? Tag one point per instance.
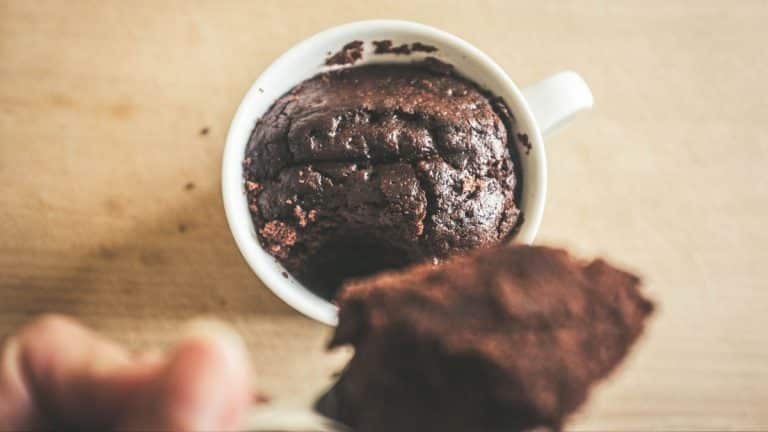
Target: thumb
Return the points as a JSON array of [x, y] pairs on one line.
[[203, 385]]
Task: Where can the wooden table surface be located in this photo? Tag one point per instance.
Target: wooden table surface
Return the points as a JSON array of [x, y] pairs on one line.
[[110, 208]]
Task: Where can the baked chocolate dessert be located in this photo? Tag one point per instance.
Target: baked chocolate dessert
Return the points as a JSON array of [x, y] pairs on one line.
[[505, 339], [376, 167]]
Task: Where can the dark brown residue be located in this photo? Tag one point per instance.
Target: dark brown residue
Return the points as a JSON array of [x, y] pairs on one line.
[[182, 228], [420, 47], [387, 47], [204, 131], [440, 67], [189, 186], [523, 138], [285, 274], [347, 55]]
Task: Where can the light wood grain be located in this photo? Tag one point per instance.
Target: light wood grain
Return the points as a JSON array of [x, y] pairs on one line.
[[102, 102]]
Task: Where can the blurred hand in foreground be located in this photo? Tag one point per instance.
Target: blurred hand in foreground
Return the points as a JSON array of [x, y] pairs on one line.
[[56, 375]]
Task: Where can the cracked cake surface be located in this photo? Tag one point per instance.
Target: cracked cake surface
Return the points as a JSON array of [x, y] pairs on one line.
[[376, 167]]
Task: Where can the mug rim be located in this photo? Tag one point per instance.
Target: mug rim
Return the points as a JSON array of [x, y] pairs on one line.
[[233, 193]]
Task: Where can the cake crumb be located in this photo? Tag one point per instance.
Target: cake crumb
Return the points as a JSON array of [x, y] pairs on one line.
[[301, 216], [253, 186], [420, 47], [387, 47], [279, 237]]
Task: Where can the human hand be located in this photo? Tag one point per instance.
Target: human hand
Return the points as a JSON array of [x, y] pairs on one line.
[[55, 374]]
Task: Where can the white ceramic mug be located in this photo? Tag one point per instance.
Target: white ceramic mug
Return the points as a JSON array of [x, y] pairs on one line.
[[538, 109]]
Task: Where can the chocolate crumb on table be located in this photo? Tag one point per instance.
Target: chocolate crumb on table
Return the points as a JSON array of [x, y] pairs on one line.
[[301, 215], [347, 55], [508, 338], [204, 131]]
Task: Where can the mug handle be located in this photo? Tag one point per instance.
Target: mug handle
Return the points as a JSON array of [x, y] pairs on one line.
[[555, 100]]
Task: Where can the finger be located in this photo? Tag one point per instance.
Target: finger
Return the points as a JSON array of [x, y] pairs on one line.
[[17, 412], [56, 373], [204, 385]]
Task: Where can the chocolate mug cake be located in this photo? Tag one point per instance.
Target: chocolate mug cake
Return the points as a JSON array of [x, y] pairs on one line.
[[377, 167]]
